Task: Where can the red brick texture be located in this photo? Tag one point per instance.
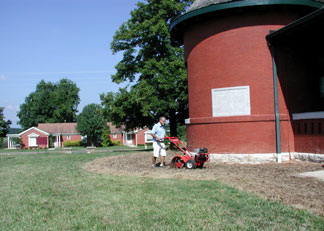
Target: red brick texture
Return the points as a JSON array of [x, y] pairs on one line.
[[231, 51], [309, 136], [24, 139]]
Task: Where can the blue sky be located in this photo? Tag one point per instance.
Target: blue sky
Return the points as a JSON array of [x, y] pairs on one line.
[[54, 39]]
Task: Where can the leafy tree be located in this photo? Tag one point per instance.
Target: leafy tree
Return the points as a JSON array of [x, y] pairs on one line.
[[105, 139], [154, 63], [66, 92], [50, 103], [4, 125], [90, 122]]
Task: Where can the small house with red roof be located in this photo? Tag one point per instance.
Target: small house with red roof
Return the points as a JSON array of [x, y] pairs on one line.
[[131, 138], [39, 137], [61, 132]]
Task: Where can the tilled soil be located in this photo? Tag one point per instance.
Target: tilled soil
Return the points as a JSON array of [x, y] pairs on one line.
[[270, 181]]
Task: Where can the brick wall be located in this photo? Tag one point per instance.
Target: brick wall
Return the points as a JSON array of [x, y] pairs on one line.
[[232, 51], [24, 139], [309, 136]]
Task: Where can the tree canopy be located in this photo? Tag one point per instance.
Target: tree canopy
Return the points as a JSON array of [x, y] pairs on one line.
[[4, 125], [153, 63], [90, 122], [50, 103]]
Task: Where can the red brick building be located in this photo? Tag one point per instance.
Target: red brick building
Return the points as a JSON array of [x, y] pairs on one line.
[[34, 138], [251, 91], [130, 138]]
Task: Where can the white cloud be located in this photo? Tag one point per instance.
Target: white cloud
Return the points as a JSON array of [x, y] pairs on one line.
[[12, 107], [2, 77]]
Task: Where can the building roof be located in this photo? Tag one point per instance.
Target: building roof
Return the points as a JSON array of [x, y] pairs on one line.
[[203, 3], [59, 128], [302, 31], [201, 9], [121, 129], [114, 129], [33, 128]]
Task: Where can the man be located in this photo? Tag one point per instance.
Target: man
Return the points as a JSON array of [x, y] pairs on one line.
[[158, 134]]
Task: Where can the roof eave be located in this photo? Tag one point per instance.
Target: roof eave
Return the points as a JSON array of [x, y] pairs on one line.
[[179, 23], [302, 22]]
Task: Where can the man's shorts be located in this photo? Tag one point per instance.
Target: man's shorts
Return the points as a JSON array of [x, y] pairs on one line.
[[158, 149]]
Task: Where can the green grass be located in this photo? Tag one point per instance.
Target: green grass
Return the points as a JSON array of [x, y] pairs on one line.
[[53, 192]]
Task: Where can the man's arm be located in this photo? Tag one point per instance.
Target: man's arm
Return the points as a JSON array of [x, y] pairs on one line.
[[153, 133], [156, 137]]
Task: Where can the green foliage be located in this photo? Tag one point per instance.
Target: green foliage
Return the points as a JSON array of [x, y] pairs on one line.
[[155, 62], [4, 125], [115, 143], [50, 141], [3, 142], [74, 143], [105, 139], [90, 122], [50, 103]]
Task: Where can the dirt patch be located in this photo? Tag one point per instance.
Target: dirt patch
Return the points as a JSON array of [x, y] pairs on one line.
[[270, 181]]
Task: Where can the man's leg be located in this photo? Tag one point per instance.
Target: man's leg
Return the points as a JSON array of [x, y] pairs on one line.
[[156, 150], [162, 160], [153, 160], [162, 153]]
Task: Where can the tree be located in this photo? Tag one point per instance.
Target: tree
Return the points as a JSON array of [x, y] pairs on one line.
[[105, 139], [4, 125], [154, 63], [90, 122], [50, 103]]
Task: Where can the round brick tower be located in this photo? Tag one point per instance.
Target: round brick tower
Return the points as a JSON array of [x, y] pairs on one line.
[[230, 73]]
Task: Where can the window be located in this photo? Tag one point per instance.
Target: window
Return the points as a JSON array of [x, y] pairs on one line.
[[231, 101], [115, 136], [319, 128], [298, 128], [148, 137], [68, 137], [322, 87], [32, 140]]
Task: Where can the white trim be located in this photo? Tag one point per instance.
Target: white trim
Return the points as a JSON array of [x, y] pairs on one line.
[[147, 134], [136, 139], [66, 134], [187, 121], [256, 158], [308, 115], [37, 129], [12, 135], [31, 137]]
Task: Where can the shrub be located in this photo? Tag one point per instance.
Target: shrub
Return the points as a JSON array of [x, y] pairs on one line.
[[105, 139], [69, 143], [115, 143]]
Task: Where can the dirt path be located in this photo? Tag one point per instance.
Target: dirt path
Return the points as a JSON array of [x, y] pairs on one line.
[[272, 181]]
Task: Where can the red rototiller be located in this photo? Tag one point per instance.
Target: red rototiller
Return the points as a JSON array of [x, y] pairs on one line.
[[188, 160]]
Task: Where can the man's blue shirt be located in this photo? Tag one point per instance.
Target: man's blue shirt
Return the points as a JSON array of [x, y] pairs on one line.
[[158, 130]]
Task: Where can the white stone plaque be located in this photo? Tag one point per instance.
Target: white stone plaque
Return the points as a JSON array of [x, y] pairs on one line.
[[231, 101]]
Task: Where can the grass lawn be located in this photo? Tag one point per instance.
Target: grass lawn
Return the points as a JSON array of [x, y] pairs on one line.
[[53, 192]]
